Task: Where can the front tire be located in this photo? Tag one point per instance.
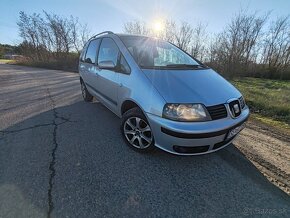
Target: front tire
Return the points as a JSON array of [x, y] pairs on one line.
[[85, 93], [136, 130]]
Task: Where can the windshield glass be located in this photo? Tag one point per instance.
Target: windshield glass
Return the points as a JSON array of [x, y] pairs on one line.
[[154, 53]]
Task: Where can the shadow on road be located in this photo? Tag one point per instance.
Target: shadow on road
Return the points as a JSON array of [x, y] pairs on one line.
[[74, 163]]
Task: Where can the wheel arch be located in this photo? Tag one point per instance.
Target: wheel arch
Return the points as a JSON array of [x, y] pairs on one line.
[[129, 104]]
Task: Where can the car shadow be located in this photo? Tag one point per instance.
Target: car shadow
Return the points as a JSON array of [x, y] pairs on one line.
[[76, 164]]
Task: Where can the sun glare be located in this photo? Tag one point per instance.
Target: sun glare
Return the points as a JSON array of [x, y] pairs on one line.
[[158, 26]]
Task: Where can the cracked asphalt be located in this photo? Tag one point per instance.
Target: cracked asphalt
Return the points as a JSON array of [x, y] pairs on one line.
[[63, 157]]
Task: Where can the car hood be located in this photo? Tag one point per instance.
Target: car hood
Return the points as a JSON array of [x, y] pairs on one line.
[[192, 86]]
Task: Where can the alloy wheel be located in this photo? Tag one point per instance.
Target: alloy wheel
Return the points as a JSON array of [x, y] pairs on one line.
[[138, 132]]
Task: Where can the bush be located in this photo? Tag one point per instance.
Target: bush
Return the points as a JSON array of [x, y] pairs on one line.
[[67, 62]]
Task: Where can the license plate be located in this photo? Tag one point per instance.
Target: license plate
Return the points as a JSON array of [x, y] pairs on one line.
[[235, 131]]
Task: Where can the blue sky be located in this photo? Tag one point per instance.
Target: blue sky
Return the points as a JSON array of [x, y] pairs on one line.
[[103, 15]]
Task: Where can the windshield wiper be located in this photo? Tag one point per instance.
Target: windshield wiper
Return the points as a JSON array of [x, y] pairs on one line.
[[184, 66]]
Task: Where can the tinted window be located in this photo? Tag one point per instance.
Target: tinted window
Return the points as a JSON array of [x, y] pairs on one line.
[[124, 65], [92, 51], [108, 51]]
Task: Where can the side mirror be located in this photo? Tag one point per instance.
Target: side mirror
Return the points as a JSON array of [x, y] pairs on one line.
[[109, 65]]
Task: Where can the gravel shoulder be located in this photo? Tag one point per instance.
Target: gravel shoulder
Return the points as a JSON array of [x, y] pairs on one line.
[[269, 150]]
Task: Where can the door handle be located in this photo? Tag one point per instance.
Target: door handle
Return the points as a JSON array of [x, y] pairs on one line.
[[97, 74], [120, 84]]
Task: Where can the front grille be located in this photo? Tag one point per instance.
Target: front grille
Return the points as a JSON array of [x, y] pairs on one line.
[[217, 111]]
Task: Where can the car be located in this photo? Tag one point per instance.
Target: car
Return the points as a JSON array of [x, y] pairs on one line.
[[164, 97]]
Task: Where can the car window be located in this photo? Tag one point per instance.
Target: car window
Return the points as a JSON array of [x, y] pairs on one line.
[[150, 53], [168, 55], [92, 51], [82, 56], [108, 51], [124, 66]]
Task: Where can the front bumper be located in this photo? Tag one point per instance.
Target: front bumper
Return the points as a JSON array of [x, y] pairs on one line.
[[193, 138]]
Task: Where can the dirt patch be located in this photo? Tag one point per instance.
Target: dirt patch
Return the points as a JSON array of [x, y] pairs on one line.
[[269, 150]]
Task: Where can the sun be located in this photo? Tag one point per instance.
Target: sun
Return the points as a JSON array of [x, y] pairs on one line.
[[158, 26]]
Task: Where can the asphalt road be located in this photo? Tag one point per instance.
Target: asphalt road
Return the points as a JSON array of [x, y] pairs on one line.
[[63, 157]]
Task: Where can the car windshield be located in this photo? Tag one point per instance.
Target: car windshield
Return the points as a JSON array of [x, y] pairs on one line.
[[154, 53]]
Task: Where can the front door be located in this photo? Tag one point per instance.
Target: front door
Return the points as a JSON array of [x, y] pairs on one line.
[[91, 70], [108, 80]]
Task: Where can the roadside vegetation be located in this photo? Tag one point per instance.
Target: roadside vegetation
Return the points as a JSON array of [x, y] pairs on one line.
[[7, 61], [67, 62], [51, 41], [268, 99], [8, 49]]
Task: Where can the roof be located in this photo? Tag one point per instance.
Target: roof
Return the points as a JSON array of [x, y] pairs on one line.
[[121, 35]]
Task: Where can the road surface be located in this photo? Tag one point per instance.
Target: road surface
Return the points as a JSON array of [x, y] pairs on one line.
[[63, 157]]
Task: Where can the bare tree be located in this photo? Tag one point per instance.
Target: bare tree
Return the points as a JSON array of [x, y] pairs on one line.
[[52, 38], [52, 32], [183, 36], [199, 42], [276, 50], [28, 30], [136, 27], [236, 44], [85, 33], [60, 29], [79, 34], [168, 32]]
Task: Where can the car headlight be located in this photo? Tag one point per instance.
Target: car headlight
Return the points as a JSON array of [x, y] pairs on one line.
[[185, 112], [242, 102]]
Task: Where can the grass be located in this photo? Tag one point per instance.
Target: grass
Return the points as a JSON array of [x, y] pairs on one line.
[[269, 100], [281, 126], [6, 61]]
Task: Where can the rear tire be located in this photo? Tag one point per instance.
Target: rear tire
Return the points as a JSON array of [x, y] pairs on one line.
[[136, 130], [85, 93]]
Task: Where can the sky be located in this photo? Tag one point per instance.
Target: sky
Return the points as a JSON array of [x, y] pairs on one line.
[[101, 15]]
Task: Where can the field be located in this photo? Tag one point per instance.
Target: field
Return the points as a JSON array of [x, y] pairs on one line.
[[6, 61], [269, 100]]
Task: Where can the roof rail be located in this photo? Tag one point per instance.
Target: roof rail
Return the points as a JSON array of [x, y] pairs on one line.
[[105, 32]]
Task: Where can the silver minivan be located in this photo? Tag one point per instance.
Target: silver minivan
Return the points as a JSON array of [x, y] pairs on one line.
[[165, 97]]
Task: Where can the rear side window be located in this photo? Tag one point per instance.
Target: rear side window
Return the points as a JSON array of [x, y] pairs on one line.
[[92, 52], [108, 51]]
